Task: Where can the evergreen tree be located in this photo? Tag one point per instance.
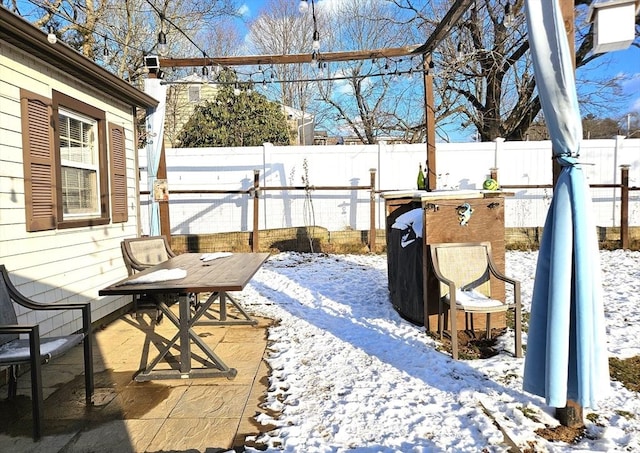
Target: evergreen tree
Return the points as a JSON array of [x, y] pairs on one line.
[[235, 118]]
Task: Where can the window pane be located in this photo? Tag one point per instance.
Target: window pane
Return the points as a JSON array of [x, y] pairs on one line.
[[76, 140], [194, 94], [79, 191], [78, 155]]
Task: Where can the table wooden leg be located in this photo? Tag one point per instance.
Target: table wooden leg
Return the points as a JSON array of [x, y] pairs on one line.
[[185, 325], [203, 318], [215, 366], [223, 306]]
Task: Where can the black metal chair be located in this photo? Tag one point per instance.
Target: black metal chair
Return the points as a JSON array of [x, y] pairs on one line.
[[35, 350]]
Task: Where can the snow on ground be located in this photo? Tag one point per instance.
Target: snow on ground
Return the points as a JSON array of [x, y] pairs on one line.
[[349, 374]]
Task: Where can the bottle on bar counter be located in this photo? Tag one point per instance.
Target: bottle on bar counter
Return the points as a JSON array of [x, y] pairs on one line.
[[421, 185]]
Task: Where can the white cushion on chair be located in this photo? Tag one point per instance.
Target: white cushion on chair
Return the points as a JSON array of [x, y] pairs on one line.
[[472, 299]]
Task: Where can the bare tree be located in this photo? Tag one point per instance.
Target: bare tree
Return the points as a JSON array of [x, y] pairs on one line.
[[117, 33], [484, 74], [367, 98], [378, 97], [281, 30]]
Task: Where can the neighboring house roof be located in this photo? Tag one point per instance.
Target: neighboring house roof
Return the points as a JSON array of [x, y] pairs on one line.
[[192, 78], [20, 33]]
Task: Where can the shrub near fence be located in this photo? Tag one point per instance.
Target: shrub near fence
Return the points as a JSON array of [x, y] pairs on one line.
[[210, 189]]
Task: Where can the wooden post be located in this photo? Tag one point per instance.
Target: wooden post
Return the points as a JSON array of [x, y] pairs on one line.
[[165, 221], [255, 240], [571, 414], [624, 206], [430, 123], [372, 211], [568, 14]]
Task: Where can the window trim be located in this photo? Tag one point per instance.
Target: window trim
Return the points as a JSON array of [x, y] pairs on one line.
[[81, 165], [60, 100], [42, 167]]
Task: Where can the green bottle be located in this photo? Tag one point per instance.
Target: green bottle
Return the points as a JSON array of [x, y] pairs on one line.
[[421, 185]]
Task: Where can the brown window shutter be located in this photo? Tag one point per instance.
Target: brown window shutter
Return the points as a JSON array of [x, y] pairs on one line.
[[118, 166], [39, 162]]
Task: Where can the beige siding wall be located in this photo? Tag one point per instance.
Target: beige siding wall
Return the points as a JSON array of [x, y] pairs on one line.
[[57, 265], [179, 108]]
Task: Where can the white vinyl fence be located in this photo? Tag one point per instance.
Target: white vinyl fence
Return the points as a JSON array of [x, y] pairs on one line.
[[458, 166]]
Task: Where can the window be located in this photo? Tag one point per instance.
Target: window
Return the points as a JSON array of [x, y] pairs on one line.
[[80, 173], [65, 164], [194, 93]]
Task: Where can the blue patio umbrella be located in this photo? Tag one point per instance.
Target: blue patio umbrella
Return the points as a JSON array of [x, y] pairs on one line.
[[566, 355]]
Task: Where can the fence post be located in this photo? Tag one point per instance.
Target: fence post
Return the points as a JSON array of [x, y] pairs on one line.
[[372, 217], [624, 206], [497, 151], [255, 240]]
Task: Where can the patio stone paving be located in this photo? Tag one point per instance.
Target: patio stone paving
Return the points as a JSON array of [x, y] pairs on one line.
[[179, 415]]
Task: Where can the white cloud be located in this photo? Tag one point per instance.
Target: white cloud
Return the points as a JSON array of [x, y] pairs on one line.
[[244, 10], [631, 85]]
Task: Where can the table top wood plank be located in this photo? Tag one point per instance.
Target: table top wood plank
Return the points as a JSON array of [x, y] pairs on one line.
[[230, 273]]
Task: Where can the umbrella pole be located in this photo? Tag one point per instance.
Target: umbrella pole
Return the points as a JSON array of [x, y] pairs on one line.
[[570, 415]]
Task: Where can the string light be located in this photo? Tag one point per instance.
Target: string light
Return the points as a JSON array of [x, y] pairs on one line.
[[51, 37], [508, 15], [162, 43], [237, 90], [303, 7]]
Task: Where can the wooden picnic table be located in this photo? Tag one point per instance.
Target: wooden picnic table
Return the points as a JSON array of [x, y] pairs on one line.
[[217, 276]]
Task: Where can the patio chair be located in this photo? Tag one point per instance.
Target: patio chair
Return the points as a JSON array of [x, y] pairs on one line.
[[464, 271], [35, 350], [140, 254]]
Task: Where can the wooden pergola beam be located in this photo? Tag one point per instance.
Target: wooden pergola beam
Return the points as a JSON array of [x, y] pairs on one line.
[[255, 60]]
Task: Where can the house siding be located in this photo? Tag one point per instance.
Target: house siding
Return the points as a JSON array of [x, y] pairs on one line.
[[58, 265], [179, 108]]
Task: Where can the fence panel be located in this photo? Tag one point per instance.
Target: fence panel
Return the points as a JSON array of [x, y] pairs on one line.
[[525, 166]]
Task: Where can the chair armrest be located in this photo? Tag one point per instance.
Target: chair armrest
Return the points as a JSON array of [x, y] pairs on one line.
[[34, 305], [499, 275], [58, 306], [137, 266], [19, 329]]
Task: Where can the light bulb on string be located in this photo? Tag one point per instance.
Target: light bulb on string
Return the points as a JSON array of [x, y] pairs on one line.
[[316, 40], [51, 37], [162, 43], [508, 15], [303, 6]]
